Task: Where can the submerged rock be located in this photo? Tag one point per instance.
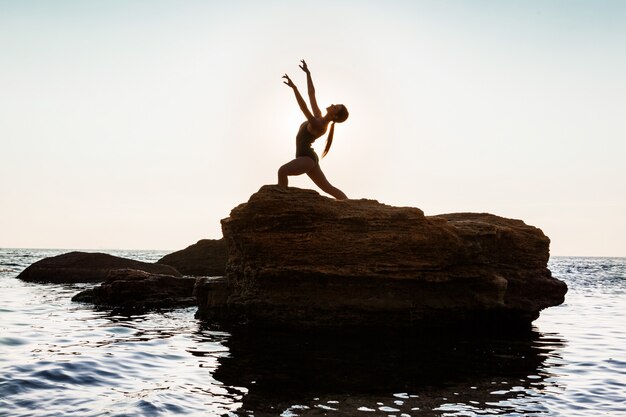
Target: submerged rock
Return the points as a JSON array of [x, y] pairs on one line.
[[86, 267], [207, 257], [297, 258], [131, 288]]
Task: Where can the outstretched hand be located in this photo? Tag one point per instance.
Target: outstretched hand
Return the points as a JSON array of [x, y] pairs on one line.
[[288, 81], [304, 67]]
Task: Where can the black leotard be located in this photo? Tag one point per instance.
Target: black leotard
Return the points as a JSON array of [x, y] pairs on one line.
[[304, 139]]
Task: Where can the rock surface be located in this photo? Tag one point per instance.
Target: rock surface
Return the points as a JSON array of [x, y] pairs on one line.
[[130, 288], [297, 258], [86, 267], [207, 257]]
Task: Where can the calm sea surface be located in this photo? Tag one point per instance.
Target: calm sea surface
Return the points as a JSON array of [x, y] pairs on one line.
[[59, 358]]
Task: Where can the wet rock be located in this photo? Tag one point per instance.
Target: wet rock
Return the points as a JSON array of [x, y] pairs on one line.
[[297, 258], [86, 267], [131, 288], [207, 257]]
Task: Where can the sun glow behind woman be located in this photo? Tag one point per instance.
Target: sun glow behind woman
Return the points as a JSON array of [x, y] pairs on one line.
[[509, 108]]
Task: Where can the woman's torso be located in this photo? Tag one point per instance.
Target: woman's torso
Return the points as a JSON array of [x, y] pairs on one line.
[[304, 140]]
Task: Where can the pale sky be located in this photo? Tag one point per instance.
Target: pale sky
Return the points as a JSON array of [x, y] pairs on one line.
[[141, 124]]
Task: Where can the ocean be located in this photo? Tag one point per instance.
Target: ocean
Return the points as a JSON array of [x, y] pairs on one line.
[[61, 358]]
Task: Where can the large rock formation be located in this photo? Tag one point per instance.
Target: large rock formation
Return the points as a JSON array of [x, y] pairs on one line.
[[207, 257], [130, 288], [297, 258], [86, 267]]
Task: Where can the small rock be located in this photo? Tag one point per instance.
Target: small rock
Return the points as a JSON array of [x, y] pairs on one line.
[[140, 289], [74, 267], [207, 257]]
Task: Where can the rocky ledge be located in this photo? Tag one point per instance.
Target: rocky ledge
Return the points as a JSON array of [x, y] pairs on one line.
[[297, 258], [74, 267], [134, 289]]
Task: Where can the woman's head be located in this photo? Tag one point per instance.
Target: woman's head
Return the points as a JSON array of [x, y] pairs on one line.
[[337, 112], [342, 114]]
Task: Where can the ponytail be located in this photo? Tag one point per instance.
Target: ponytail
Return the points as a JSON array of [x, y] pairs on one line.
[[329, 139], [340, 117]]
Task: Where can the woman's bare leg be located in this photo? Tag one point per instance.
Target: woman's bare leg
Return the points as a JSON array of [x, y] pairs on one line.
[[300, 165], [320, 180]]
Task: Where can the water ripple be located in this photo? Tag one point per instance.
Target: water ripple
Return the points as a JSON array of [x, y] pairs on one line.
[[62, 358]]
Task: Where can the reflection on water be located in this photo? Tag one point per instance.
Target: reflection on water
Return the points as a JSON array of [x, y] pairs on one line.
[[388, 373]]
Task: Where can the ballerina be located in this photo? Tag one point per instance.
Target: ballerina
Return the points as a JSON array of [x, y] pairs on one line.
[[316, 124]]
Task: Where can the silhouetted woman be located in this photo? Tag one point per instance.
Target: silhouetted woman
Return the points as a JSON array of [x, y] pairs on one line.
[[306, 161]]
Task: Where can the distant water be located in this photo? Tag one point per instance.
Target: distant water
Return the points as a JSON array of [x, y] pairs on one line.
[[59, 358]]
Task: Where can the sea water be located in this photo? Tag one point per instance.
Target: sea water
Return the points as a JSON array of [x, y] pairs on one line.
[[62, 358]]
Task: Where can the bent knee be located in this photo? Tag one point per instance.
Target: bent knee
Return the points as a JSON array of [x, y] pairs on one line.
[[296, 167], [283, 171]]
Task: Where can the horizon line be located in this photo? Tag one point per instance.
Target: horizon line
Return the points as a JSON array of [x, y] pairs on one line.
[[176, 250]]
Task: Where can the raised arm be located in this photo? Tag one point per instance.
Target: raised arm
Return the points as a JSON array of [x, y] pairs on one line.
[[311, 90], [299, 98]]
